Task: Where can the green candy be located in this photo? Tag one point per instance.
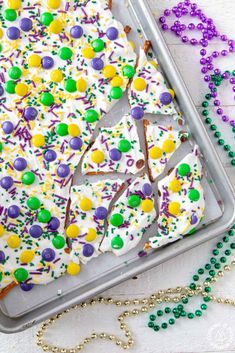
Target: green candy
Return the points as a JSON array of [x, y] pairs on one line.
[[117, 243], [124, 145], [62, 129], [10, 15], [46, 18], [116, 93], [183, 169], [28, 178], [10, 86], [0, 276], [98, 45], [134, 201], [47, 99], [33, 203], [128, 71], [193, 195], [58, 242], [44, 216], [15, 72], [0, 48], [21, 274], [70, 85], [65, 53], [116, 219], [91, 116]]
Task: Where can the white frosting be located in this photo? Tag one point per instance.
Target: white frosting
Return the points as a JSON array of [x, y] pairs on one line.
[[135, 220], [149, 98], [100, 193], [155, 136], [109, 137], [170, 227]]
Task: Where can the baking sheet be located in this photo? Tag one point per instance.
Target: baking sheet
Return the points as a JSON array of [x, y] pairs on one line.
[[23, 309]]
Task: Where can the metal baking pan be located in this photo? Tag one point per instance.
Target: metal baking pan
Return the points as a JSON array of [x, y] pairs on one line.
[[20, 310]]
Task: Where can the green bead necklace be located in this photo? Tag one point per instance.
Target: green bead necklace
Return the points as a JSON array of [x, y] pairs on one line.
[[210, 271], [217, 80]]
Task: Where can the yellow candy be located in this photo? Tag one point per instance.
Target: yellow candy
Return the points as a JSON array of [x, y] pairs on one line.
[[13, 241], [1, 230], [91, 235], [172, 93], [34, 60], [168, 146], [153, 63], [139, 84], [73, 269], [97, 156], [26, 256], [72, 231], [109, 71], [175, 185], [88, 53], [14, 4], [53, 4], [55, 27], [21, 89], [147, 205], [38, 140], [174, 208], [81, 85], [74, 130], [85, 204], [132, 44], [1, 33], [57, 76], [117, 81], [155, 152]]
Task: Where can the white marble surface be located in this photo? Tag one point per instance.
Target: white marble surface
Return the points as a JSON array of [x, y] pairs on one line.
[[214, 332]]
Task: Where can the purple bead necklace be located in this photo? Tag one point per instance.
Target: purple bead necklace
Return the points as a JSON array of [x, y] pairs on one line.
[[211, 75]]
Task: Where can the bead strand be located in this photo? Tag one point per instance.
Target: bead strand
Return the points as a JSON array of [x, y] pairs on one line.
[[180, 295]]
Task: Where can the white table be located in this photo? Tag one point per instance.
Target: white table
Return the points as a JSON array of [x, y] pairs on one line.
[[214, 332]]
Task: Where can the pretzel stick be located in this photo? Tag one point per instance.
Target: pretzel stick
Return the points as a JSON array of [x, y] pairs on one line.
[[146, 46], [7, 289], [110, 4], [127, 29]]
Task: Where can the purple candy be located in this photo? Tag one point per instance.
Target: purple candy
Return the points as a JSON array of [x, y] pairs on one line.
[[47, 62], [7, 127], [147, 189], [35, 231], [63, 170], [20, 164], [50, 156], [76, 32], [101, 212], [165, 98], [48, 254], [194, 219], [13, 33], [97, 64], [137, 113], [75, 143], [1, 90], [2, 256], [13, 211], [115, 154], [54, 223], [26, 287], [112, 33], [88, 250], [26, 24], [30, 113], [6, 182]]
